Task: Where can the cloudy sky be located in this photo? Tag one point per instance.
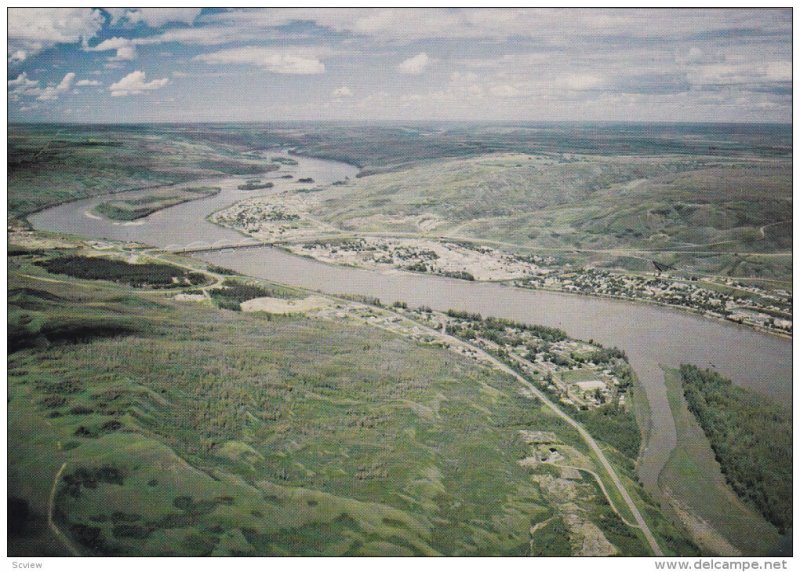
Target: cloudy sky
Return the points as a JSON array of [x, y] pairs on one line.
[[154, 64]]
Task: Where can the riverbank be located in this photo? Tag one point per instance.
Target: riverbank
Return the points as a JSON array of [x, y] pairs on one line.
[[285, 218], [698, 495]]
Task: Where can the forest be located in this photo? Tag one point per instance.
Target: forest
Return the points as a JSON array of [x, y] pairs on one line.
[[751, 437]]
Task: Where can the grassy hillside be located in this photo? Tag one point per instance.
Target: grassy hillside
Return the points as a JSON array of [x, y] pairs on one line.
[[48, 164], [706, 214], [390, 146], [151, 425]]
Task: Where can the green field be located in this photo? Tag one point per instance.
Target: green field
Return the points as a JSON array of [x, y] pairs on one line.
[[305, 436], [693, 478], [133, 209]]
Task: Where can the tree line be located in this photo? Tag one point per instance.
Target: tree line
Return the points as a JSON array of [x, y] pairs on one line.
[[751, 438]]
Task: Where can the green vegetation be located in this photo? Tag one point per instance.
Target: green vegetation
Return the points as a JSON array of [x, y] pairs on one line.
[[221, 270], [751, 438], [236, 167], [305, 436], [698, 491], [234, 292], [382, 148], [254, 184], [546, 333], [187, 429], [50, 164], [459, 275], [132, 209], [700, 213], [284, 161], [552, 539], [615, 425], [706, 198], [154, 275]]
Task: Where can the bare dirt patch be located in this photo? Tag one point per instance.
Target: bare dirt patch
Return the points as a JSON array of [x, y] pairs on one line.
[[282, 306]]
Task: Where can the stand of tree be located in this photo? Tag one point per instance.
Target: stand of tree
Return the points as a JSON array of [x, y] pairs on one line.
[[154, 275], [751, 438]]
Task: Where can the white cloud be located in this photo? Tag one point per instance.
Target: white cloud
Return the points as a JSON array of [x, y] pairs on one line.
[[740, 73], [414, 65], [52, 92], [31, 30], [125, 48], [116, 14], [504, 90], [22, 81], [778, 71], [125, 53], [578, 82], [217, 33], [134, 83], [17, 57], [66, 83], [343, 91], [557, 25], [695, 55], [88, 82], [205, 36], [154, 17], [463, 85], [559, 60], [110, 44], [22, 86], [299, 61]]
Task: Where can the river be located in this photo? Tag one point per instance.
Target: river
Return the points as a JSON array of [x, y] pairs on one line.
[[650, 335]]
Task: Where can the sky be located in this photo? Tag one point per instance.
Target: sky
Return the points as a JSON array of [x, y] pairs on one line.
[[187, 64]]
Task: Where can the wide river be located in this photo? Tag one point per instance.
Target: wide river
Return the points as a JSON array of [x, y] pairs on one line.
[[652, 336]]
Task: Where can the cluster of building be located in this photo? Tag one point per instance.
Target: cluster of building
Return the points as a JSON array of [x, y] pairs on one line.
[[728, 299], [579, 374]]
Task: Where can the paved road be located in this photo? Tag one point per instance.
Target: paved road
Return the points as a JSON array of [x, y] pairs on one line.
[[588, 439], [651, 540]]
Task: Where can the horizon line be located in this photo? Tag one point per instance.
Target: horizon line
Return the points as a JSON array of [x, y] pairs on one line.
[[379, 121]]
